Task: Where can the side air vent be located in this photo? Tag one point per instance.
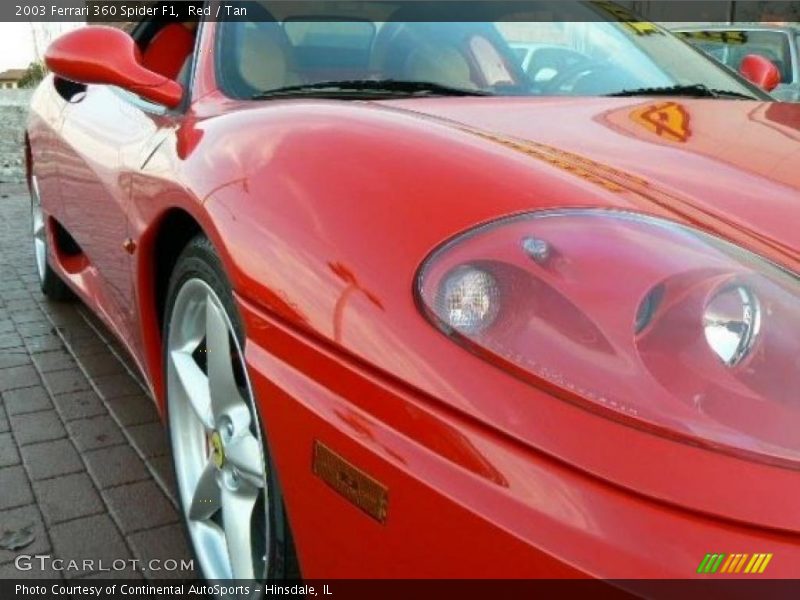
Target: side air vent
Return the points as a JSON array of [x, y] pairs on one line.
[[68, 252]]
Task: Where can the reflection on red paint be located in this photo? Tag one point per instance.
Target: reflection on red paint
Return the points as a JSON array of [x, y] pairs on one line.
[[668, 120]]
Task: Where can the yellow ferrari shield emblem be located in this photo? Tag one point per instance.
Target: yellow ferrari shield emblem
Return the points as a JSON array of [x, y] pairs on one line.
[[217, 451], [668, 120]]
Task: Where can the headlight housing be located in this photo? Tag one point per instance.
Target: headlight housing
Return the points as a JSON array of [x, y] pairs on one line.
[[638, 318]]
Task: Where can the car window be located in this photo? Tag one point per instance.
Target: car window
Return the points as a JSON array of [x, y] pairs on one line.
[[330, 45], [731, 46], [489, 62], [520, 52], [592, 51], [352, 35]]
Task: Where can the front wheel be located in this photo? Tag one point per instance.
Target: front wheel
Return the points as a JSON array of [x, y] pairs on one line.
[[50, 283], [232, 505]]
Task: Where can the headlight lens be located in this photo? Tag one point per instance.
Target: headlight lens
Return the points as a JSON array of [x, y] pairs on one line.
[[642, 319], [468, 300], [732, 321]]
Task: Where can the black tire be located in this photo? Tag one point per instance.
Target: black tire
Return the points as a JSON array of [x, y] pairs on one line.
[[54, 287], [199, 260]]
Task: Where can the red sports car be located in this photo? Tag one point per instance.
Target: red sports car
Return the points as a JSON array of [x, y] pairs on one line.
[[411, 309]]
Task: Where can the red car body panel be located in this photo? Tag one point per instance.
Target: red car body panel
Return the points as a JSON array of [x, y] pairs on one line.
[[323, 211]]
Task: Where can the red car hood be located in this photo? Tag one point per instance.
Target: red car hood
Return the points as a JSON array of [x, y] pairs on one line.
[[725, 166], [730, 167]]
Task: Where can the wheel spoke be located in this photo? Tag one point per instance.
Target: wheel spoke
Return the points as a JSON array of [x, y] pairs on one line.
[[237, 512], [206, 499], [38, 226], [194, 384], [244, 452], [39, 232], [225, 395]]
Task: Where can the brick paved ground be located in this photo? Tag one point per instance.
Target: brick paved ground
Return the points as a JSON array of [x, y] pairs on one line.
[[83, 459]]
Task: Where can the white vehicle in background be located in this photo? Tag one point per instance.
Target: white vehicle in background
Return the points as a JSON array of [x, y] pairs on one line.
[[729, 44]]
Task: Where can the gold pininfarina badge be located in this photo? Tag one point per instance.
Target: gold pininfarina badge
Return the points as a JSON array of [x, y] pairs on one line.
[[352, 483]]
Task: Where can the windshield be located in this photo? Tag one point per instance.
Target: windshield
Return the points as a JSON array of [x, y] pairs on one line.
[[593, 51], [731, 46]]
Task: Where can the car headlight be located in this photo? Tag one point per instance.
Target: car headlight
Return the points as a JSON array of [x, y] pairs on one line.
[[468, 299], [732, 320], [639, 318]]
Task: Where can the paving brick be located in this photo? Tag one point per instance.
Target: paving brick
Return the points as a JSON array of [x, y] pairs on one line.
[[165, 474], [37, 427], [9, 455], [103, 364], [62, 382], [62, 315], [116, 386], [14, 358], [35, 329], [18, 377], [96, 432], [16, 491], [54, 309], [76, 330], [44, 343], [68, 497], [9, 295], [28, 316], [18, 305], [46, 340], [133, 410], [90, 318], [13, 284], [57, 360], [138, 506], [78, 405], [70, 541], [136, 375], [119, 350], [19, 522], [10, 340], [150, 439], [26, 400], [115, 466], [35, 573], [88, 347], [51, 459], [163, 544]]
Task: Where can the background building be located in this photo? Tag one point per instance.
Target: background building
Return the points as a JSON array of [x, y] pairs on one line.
[[9, 80]]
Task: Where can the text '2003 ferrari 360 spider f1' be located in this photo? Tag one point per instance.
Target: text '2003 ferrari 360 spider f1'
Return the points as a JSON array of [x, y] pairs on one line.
[[412, 309]]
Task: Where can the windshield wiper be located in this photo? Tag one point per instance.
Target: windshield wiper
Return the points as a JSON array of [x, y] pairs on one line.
[[697, 90], [368, 87]]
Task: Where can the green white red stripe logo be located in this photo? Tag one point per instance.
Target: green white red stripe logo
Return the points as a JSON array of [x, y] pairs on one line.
[[731, 564]]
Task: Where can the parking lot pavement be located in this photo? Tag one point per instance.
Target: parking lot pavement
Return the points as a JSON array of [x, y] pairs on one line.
[[84, 465]]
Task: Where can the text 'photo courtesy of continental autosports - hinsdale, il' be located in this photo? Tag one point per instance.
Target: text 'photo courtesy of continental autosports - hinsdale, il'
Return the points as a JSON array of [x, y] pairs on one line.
[[427, 290]]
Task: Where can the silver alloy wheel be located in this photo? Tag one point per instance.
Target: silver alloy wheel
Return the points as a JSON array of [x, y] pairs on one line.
[[216, 438], [39, 232]]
